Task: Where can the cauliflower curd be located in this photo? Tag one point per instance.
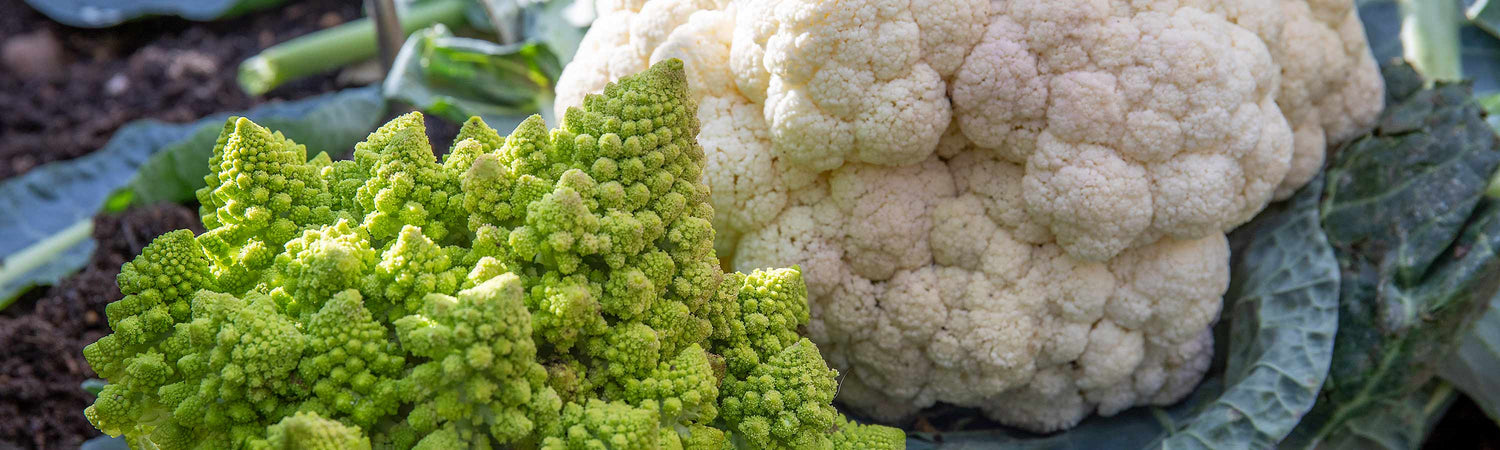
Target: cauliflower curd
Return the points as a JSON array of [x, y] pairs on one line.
[[1012, 205]]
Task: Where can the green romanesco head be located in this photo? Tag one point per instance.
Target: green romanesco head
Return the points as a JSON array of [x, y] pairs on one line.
[[606, 219], [481, 373], [237, 357], [350, 362], [855, 436], [758, 316], [551, 288], [309, 431], [784, 402], [322, 262], [607, 425], [158, 286], [261, 193], [682, 390]]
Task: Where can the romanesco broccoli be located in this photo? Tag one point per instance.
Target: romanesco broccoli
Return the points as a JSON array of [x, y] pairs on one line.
[[309, 431], [554, 289]]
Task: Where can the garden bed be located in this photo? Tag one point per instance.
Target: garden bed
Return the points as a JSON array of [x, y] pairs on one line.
[[64, 104], [178, 71]]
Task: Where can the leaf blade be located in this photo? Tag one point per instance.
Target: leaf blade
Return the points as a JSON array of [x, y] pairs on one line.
[[156, 161], [1416, 241], [1284, 298], [106, 13]]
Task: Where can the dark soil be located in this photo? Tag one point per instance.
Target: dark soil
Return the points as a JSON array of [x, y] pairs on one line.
[[42, 364], [163, 68]]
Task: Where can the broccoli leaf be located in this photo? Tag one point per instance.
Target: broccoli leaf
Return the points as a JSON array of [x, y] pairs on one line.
[[1477, 359], [1479, 353], [1282, 303], [93, 385], [106, 13], [558, 24], [1485, 14], [1479, 51], [105, 443], [331, 123], [45, 213], [1397, 423], [458, 77], [1474, 365], [1132, 428], [1416, 243]]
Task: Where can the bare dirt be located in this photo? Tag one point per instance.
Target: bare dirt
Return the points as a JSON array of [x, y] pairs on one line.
[[65, 90]]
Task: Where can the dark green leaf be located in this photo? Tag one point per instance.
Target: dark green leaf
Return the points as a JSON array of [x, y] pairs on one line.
[[499, 17], [458, 78], [1478, 357], [93, 385], [1396, 423], [555, 24], [105, 13], [1479, 51], [1474, 366], [1133, 428], [1486, 15], [44, 213], [1274, 352], [1283, 305], [1416, 246], [105, 443], [329, 123]]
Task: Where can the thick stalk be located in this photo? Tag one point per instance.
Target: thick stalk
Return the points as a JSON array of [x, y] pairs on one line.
[[337, 47], [23, 261], [1429, 35]]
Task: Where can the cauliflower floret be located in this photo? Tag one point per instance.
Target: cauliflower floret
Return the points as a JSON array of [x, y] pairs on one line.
[[1134, 127], [628, 31], [1012, 205], [1331, 90], [852, 81]]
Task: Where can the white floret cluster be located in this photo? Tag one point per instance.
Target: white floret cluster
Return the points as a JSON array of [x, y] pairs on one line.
[[1016, 205]]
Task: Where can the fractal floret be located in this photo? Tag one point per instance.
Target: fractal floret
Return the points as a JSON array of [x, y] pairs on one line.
[[550, 289]]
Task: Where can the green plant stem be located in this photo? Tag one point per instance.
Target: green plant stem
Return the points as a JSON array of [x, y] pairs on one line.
[[1429, 35], [30, 258], [336, 47], [1494, 190]]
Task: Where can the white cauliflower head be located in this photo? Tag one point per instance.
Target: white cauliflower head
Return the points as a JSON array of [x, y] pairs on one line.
[[1012, 205]]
